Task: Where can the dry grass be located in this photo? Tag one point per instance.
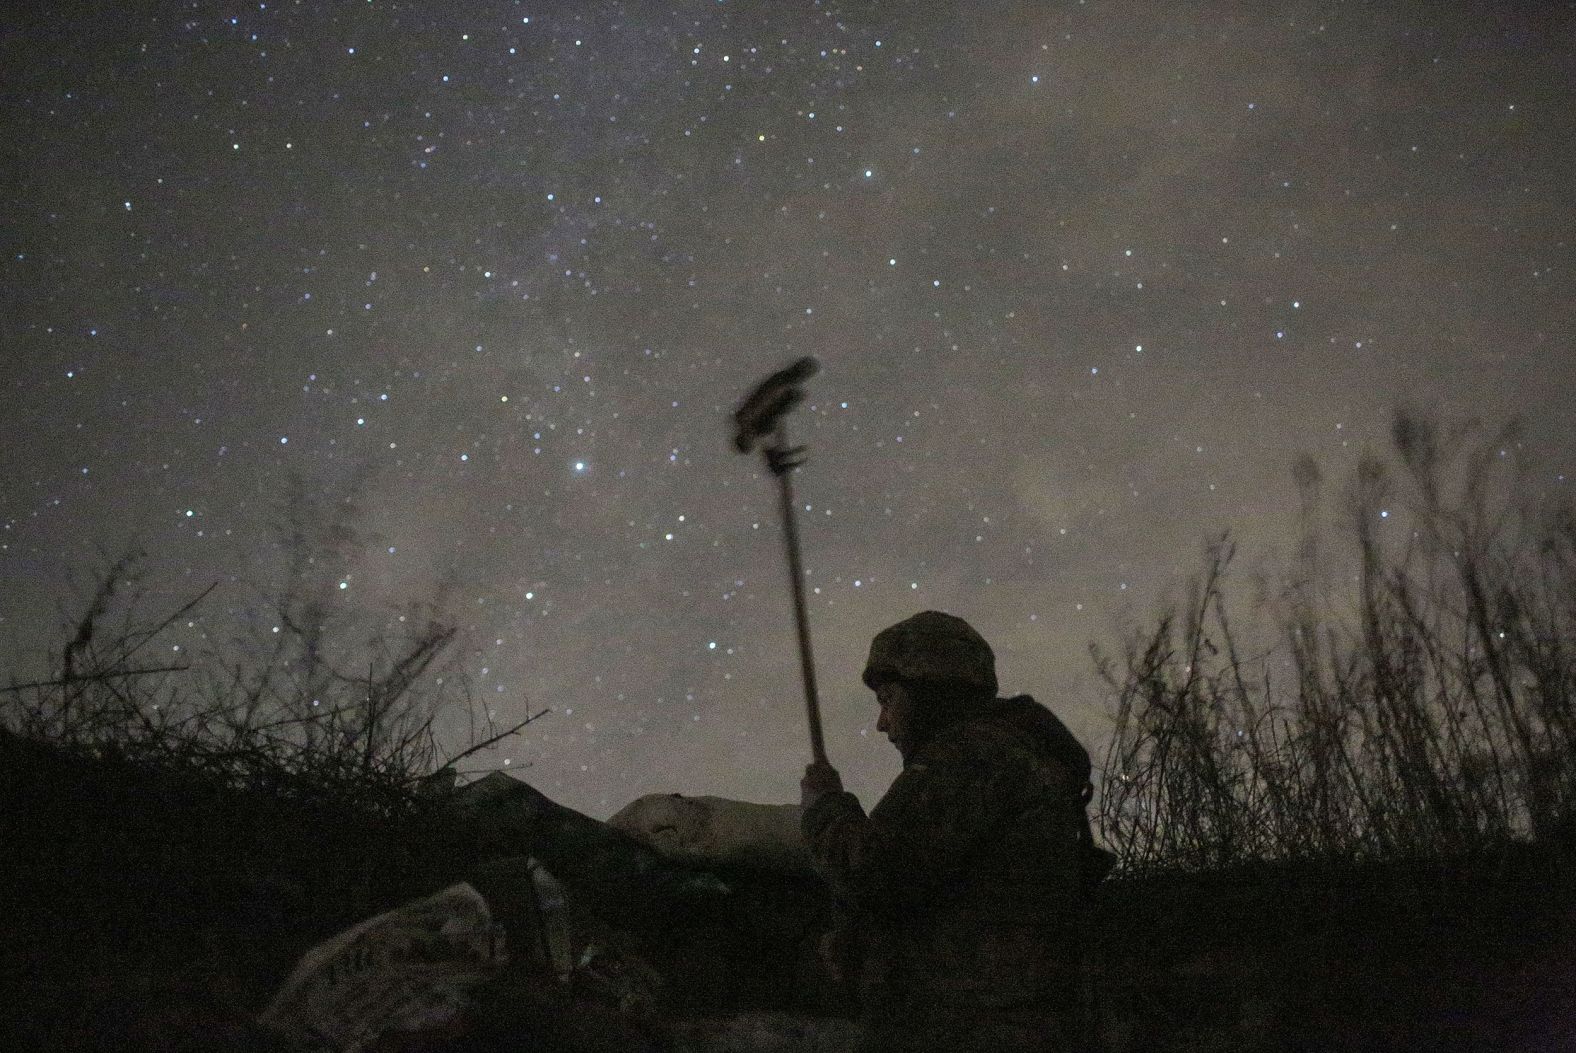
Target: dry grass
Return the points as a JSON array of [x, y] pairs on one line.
[[1421, 706]]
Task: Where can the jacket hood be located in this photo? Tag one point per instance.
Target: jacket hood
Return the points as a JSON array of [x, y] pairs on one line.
[[1037, 723]]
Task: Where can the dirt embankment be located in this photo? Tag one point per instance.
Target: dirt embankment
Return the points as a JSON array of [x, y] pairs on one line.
[[152, 911], [1470, 955]]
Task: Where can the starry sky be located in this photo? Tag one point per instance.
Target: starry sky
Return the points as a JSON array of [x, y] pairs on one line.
[[1084, 277]]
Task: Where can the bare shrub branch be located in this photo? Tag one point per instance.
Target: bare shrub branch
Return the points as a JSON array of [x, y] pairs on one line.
[[273, 706]]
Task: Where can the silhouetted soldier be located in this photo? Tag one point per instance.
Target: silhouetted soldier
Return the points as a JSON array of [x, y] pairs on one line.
[[963, 888]]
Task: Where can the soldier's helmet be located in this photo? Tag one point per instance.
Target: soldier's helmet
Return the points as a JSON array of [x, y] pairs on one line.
[[932, 647]]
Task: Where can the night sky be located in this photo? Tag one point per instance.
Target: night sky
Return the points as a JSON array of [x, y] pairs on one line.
[[1084, 279]]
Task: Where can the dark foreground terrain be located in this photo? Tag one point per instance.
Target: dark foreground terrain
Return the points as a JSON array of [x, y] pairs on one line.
[[153, 911]]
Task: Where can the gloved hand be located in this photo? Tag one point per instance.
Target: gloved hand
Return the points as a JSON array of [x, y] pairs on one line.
[[819, 780]]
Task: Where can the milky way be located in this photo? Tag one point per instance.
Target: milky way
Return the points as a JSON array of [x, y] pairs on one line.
[[1084, 278]]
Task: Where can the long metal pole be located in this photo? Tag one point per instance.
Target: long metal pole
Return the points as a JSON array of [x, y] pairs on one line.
[[812, 703]]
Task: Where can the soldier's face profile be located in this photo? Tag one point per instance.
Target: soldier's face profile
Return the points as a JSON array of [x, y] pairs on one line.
[[896, 719]]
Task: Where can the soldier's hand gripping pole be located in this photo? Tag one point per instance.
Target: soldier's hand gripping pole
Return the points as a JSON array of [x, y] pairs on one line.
[[760, 421]]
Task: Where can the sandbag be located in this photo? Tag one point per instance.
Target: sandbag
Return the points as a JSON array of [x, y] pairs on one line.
[[607, 872], [408, 971], [717, 830]]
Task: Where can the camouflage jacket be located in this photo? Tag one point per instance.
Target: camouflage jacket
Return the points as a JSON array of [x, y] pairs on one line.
[[963, 883]]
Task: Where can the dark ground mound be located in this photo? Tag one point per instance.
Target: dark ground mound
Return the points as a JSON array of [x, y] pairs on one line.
[[1469, 954], [151, 909], [148, 909]]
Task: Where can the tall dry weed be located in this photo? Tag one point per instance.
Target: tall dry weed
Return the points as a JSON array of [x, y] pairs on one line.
[[1417, 699]]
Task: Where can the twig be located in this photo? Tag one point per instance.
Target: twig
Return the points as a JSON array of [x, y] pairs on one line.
[[478, 747], [93, 678]]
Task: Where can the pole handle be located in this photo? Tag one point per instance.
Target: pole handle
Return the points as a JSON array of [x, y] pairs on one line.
[[812, 705]]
